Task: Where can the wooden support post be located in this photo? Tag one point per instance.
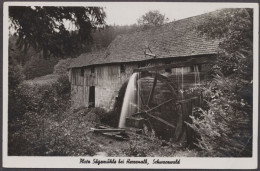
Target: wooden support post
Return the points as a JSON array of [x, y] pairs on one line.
[[152, 91]]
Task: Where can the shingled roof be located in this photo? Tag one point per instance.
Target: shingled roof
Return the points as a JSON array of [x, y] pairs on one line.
[[175, 39]]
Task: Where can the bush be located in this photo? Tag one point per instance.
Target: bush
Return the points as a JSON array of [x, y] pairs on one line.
[[139, 147], [136, 149], [224, 124], [15, 76], [66, 136], [47, 98], [62, 66], [15, 96], [31, 110]]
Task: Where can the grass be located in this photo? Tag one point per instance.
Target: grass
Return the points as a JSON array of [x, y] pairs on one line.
[[46, 79]]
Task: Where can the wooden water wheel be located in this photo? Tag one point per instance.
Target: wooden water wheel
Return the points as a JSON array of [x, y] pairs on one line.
[[181, 109], [183, 106]]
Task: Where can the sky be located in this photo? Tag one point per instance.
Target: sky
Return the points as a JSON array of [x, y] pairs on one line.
[[121, 13], [127, 13]]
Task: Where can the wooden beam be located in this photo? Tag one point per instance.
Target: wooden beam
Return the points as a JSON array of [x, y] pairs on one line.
[[150, 54], [152, 91], [175, 65], [186, 100], [155, 117], [107, 130]]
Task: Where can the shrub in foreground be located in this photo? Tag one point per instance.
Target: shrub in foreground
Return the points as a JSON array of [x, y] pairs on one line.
[[224, 124]]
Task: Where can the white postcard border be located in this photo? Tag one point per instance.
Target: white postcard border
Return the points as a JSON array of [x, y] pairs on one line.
[[74, 162]]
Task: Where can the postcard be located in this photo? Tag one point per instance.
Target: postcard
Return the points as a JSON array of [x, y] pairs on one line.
[[153, 85]]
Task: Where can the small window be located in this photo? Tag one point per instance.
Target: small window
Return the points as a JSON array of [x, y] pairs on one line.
[[122, 68], [82, 72], [169, 70], [92, 70]]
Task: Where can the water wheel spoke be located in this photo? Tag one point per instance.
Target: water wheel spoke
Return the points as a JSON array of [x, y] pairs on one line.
[[147, 108], [154, 117], [152, 91], [161, 120], [142, 99], [151, 109]]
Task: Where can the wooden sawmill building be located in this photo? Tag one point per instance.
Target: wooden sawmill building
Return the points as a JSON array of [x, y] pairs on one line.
[[97, 77]]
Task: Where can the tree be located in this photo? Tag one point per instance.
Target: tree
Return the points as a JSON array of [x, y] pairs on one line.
[[17, 54], [235, 60], [152, 18], [235, 28], [46, 28], [224, 124], [37, 67]]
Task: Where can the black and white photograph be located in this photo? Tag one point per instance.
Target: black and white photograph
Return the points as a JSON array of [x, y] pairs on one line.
[[130, 85]]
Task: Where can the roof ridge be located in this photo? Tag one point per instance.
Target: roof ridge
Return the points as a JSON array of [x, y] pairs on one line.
[[174, 39], [163, 25], [195, 16]]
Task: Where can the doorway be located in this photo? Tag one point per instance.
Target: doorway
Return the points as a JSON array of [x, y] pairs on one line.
[[91, 96]]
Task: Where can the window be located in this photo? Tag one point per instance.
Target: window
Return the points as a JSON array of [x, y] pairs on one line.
[[122, 68], [82, 72]]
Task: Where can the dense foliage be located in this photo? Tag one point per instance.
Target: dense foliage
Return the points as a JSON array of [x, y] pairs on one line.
[[37, 67], [60, 32], [224, 124], [16, 76], [46, 28], [235, 29], [62, 66], [33, 65], [16, 54], [35, 103]]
